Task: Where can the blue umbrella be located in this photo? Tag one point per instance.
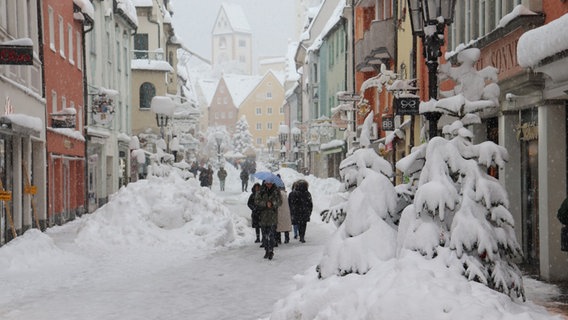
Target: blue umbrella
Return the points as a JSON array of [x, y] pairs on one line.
[[269, 177]]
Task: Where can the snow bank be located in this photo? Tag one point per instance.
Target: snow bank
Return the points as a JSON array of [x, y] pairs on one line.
[[166, 211]]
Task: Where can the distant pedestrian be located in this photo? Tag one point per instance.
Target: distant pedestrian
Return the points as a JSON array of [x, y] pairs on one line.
[[284, 220], [294, 225], [222, 175], [267, 200], [301, 205], [244, 180], [255, 214]]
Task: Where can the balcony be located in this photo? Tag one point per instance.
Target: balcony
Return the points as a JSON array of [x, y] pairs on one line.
[[376, 47]]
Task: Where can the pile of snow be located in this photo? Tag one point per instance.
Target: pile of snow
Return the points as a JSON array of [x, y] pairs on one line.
[[407, 288], [163, 211]]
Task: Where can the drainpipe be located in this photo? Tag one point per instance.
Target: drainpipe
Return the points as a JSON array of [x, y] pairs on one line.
[[85, 114], [353, 66], [43, 225]]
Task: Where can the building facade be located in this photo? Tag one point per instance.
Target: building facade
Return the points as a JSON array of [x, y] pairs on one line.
[[232, 41], [23, 175], [108, 46], [64, 24]]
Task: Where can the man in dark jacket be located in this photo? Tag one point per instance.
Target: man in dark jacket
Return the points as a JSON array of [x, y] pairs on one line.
[[301, 205], [267, 201], [222, 175]]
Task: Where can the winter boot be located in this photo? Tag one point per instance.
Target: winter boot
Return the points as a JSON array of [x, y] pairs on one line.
[[267, 255], [270, 255]]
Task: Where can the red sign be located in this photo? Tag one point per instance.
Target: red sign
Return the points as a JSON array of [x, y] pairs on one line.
[[16, 55]]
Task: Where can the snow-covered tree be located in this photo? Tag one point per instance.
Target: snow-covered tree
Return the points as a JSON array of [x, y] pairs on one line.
[[242, 138], [370, 219], [460, 213]]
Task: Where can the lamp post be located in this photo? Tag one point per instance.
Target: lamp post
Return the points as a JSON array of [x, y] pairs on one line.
[[429, 19], [297, 136], [164, 108], [283, 137], [219, 140]]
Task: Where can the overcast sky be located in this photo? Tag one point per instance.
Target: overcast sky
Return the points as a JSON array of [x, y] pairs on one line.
[[272, 23]]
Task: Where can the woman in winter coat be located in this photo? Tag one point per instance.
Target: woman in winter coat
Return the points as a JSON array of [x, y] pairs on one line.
[[267, 201], [301, 205], [284, 219], [255, 214]]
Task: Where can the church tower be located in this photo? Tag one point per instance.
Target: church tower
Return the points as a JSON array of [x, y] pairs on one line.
[[232, 41]]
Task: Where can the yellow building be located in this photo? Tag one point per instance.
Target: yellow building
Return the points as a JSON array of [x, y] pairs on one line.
[[263, 108]]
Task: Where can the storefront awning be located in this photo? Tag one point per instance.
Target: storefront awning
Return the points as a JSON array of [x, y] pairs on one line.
[[22, 124]]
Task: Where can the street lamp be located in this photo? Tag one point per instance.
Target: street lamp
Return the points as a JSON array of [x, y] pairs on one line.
[[297, 136], [429, 19], [270, 145], [163, 107], [219, 140], [283, 137]]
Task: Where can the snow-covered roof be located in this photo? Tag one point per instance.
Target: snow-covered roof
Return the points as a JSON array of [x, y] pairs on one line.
[[291, 72], [542, 42], [148, 64], [207, 87], [240, 86], [129, 10], [331, 22], [86, 7], [236, 16], [142, 3]]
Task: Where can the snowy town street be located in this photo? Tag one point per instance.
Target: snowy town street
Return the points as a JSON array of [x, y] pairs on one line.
[[57, 275]]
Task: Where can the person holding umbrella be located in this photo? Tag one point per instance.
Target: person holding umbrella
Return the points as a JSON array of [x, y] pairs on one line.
[[267, 201]]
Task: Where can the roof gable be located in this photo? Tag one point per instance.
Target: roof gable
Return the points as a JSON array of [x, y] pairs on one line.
[[231, 18]]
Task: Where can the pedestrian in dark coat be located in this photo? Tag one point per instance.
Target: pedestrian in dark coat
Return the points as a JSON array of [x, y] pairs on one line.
[[301, 205], [255, 214], [267, 200], [222, 175], [244, 180]]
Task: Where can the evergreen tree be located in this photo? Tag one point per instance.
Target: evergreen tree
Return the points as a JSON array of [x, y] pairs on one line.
[[460, 213], [242, 138]]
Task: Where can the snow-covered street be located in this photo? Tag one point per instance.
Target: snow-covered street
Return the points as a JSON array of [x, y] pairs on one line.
[[165, 248], [56, 276]]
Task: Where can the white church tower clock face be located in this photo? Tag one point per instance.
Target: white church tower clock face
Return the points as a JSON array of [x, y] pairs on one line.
[[232, 41]]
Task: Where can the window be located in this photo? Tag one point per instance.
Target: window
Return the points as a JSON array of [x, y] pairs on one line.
[[79, 50], [230, 115], [53, 101], [259, 141], [51, 29], [242, 43], [63, 103], [258, 111], [258, 126], [269, 110], [71, 42], [269, 126], [281, 110], [269, 95], [242, 59], [222, 43], [141, 46], [147, 92], [61, 37], [118, 59]]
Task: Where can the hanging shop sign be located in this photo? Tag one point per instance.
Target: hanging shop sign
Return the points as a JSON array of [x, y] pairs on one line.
[[5, 195], [387, 123], [29, 189], [16, 55], [103, 108], [406, 105]]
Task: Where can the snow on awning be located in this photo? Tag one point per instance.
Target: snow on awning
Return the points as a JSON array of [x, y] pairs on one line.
[[154, 65], [21, 123], [545, 41]]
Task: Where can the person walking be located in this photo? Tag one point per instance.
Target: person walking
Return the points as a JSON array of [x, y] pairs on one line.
[[255, 214], [294, 224], [244, 179], [268, 200], [284, 220], [222, 175], [301, 205]]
